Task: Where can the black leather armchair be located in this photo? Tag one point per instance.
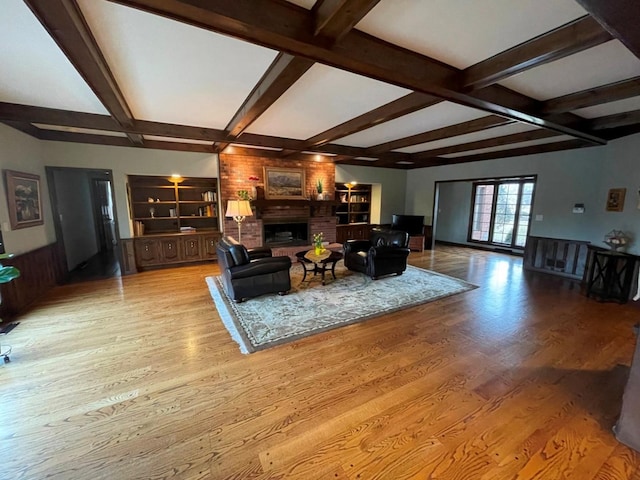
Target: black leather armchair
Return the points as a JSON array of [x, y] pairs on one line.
[[384, 253], [251, 272]]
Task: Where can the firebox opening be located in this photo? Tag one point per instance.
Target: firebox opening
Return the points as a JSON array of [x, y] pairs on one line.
[[286, 233]]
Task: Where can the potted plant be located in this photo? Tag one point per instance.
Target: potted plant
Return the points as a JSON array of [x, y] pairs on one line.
[[319, 189], [7, 274]]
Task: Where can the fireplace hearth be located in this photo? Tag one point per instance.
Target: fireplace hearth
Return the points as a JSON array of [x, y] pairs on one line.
[[286, 232]]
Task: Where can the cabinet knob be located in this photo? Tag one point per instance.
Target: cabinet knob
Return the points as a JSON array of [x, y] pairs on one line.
[[146, 248], [192, 243], [170, 246]]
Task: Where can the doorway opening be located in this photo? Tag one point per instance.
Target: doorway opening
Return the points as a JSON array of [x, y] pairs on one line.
[[85, 220]]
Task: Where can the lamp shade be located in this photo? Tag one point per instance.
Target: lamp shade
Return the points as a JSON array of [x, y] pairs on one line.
[[238, 208]]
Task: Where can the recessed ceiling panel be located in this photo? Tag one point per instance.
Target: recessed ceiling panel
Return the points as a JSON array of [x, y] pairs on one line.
[[88, 131], [620, 106], [471, 137], [464, 32], [321, 99], [34, 70], [177, 140], [601, 65], [172, 72], [559, 138], [439, 115]]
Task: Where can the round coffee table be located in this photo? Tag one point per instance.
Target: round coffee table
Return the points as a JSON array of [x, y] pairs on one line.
[[318, 264]]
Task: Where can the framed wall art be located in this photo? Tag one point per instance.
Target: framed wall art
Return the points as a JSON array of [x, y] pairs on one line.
[[23, 199], [615, 199], [284, 183]]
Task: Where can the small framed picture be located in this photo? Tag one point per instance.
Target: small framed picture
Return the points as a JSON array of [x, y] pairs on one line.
[[23, 199], [615, 199]]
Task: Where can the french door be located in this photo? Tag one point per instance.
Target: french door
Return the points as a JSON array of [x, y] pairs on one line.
[[501, 212]]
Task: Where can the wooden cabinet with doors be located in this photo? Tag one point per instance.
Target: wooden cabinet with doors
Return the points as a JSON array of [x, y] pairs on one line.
[[162, 250]]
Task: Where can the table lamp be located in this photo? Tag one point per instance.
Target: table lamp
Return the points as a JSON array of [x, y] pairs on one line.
[[239, 210]]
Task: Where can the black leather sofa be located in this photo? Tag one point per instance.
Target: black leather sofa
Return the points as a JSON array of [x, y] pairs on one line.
[[249, 273], [385, 253]]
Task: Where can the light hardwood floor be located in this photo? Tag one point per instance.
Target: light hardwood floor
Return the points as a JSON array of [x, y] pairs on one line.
[[136, 378]]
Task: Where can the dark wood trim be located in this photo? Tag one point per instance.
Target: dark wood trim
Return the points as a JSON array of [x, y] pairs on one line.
[[566, 40], [487, 143], [402, 106], [440, 133], [619, 17], [284, 27], [63, 20], [40, 270], [593, 96]]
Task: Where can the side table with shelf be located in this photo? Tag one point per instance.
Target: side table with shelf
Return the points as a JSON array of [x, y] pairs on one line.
[[609, 274]]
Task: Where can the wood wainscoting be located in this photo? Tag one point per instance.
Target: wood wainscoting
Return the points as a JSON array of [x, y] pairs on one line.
[[557, 256], [40, 270]]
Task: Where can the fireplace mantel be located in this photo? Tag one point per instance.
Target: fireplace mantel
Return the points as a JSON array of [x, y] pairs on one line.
[[314, 208]]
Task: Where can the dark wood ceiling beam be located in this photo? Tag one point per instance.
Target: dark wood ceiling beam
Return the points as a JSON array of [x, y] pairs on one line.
[[285, 27], [617, 120], [53, 116], [279, 77], [537, 134], [515, 152], [593, 96], [54, 135], [440, 133], [21, 113], [335, 18], [571, 38], [619, 17], [64, 21], [402, 106], [24, 127]]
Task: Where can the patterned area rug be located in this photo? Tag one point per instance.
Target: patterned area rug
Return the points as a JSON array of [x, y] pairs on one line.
[[311, 308]]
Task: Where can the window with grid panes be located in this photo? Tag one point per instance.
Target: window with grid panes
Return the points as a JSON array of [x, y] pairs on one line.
[[502, 212]]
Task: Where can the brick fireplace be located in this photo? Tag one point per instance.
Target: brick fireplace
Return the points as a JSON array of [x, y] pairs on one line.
[[235, 174]]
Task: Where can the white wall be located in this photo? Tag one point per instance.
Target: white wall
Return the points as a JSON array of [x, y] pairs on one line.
[[454, 201], [391, 188], [125, 161], [564, 178], [23, 153]]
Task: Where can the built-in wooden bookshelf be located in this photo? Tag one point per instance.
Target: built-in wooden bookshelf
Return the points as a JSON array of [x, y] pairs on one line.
[[175, 219], [354, 203], [161, 205]]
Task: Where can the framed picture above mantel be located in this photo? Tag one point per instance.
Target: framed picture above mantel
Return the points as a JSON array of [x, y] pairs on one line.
[[23, 199], [284, 183]]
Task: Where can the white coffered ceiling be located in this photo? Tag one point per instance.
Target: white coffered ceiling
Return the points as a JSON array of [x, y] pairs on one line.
[[299, 78]]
